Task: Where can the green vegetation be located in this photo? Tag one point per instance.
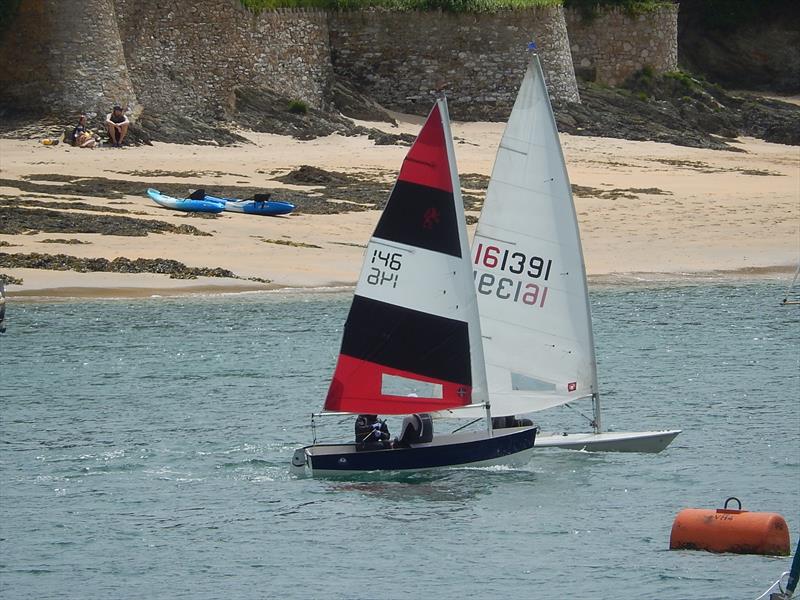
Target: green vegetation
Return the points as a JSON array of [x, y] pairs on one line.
[[298, 107], [683, 80], [589, 8], [447, 5]]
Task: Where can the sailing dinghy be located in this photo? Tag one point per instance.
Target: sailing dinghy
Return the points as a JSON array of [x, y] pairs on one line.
[[531, 282], [792, 295], [414, 325], [2, 306]]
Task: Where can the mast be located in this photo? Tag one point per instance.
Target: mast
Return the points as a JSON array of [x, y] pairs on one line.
[[480, 392]]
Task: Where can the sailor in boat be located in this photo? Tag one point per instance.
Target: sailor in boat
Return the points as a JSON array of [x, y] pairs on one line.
[[371, 433]]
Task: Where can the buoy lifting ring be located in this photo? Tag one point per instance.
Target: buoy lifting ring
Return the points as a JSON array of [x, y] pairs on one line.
[[739, 502]]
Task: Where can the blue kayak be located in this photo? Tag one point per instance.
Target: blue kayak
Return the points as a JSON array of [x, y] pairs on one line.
[[188, 204], [260, 205]]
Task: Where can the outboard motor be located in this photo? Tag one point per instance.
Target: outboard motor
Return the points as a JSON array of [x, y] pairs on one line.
[[417, 429]]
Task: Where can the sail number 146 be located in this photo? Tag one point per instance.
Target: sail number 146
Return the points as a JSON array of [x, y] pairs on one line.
[[387, 270]]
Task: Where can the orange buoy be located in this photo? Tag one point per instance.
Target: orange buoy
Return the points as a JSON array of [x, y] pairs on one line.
[[729, 530]]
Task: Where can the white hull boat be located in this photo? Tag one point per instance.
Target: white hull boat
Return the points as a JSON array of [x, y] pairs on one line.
[[531, 284]]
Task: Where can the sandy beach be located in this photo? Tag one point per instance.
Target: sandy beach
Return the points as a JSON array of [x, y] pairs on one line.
[[647, 210]]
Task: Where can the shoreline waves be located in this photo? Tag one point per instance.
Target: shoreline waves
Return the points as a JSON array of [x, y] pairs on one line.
[[119, 286]]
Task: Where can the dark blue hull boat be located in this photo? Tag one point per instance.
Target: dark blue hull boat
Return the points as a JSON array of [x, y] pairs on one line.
[[512, 447]]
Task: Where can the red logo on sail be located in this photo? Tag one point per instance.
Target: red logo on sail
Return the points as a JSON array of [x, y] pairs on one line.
[[572, 386], [430, 218]]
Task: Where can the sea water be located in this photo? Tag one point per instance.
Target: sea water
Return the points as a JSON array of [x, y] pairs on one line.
[[146, 446]]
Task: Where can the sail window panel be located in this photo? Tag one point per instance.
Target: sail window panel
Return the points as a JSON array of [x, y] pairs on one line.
[[396, 385]]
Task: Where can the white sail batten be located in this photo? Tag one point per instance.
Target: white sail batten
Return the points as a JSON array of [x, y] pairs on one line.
[[529, 269]]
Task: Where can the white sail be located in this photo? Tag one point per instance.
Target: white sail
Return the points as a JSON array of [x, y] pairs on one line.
[[529, 269]]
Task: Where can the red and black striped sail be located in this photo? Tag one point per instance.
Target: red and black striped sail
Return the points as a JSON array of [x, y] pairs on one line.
[[406, 322]]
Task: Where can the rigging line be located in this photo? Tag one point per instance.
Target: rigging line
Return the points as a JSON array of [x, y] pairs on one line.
[[467, 425], [568, 405]]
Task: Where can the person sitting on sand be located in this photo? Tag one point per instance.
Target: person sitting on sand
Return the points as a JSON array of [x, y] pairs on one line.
[[117, 126], [81, 136]]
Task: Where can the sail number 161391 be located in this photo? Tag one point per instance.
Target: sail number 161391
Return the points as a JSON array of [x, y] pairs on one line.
[[504, 285]]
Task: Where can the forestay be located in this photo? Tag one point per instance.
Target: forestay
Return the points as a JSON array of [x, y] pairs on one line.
[[411, 342]]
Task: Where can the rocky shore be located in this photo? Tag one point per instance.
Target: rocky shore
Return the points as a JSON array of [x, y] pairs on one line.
[[678, 109], [675, 108]]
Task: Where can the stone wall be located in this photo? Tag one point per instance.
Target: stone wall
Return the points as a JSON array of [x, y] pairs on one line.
[[400, 58], [55, 58], [189, 57], [614, 45]]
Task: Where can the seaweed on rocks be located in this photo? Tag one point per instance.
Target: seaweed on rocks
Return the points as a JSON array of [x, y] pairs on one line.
[[343, 193], [309, 175], [10, 280], [71, 241], [16, 220], [64, 262], [71, 205]]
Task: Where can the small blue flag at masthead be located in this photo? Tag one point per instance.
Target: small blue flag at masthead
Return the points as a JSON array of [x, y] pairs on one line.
[[532, 46]]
